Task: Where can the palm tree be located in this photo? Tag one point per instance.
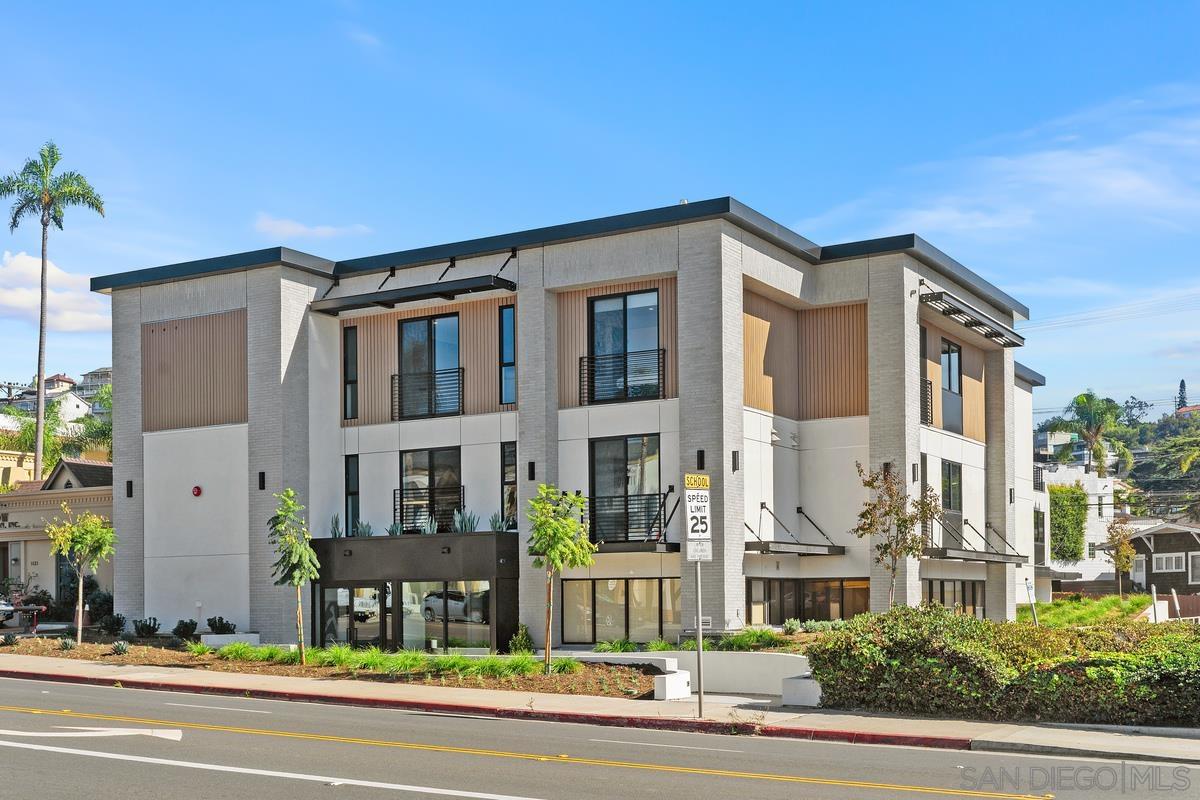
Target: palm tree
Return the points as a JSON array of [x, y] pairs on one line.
[[1091, 417], [42, 194]]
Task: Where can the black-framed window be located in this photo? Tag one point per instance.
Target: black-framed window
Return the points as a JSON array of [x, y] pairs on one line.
[[508, 484], [625, 487], [951, 367], [770, 601], [952, 499], [350, 372], [963, 595], [624, 359], [430, 486], [1039, 537], [351, 494], [508, 355], [430, 374], [639, 609]]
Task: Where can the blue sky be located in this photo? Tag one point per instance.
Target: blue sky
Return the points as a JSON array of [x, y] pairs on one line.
[[1054, 148]]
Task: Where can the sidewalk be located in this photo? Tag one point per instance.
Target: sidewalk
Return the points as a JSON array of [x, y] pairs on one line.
[[723, 714]]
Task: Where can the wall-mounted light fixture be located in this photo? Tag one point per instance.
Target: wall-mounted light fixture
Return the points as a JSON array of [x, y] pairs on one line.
[[262, 481], [916, 470], [129, 488], [532, 472], [699, 459], [1012, 495], [736, 461]]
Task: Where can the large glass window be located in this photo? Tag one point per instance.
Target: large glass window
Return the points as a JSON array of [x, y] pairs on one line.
[[424, 615], [508, 484], [431, 487], [369, 610], [351, 494], [430, 382], [1039, 537], [577, 611], [672, 609], [625, 363], [336, 617], [468, 614], [770, 601], [639, 609], [350, 372], [951, 367], [967, 597], [625, 489], [644, 609], [952, 504], [856, 597], [508, 355], [610, 609]]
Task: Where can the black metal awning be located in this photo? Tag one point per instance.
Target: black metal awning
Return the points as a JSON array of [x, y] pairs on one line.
[[390, 298], [1043, 571], [961, 554], [646, 546], [795, 549], [972, 318]]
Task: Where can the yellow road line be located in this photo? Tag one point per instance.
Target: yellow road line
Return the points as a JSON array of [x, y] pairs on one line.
[[561, 759]]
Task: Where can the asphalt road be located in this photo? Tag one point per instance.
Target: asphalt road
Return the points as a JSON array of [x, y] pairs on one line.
[[64, 741]]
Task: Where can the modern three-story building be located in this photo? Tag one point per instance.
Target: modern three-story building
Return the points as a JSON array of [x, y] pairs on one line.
[[422, 396]]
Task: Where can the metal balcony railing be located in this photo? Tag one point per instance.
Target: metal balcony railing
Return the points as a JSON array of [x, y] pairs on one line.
[[926, 401], [619, 377], [427, 394], [627, 518], [412, 508]]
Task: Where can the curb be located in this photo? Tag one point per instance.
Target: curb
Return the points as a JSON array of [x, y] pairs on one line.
[[650, 723], [998, 746]]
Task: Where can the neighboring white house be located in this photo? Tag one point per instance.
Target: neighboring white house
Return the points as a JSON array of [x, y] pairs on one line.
[[71, 406]]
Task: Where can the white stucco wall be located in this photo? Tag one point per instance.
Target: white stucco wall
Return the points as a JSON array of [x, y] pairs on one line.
[[938, 445], [197, 548]]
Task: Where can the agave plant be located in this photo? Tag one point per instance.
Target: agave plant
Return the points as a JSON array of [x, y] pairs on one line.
[[497, 522], [465, 521], [395, 529], [430, 525], [335, 527], [363, 528]]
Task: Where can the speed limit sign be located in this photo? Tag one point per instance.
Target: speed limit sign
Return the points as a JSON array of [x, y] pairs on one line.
[[698, 519]]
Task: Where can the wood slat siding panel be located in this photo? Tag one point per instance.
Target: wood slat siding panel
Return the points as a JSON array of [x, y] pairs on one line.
[[194, 371], [573, 333], [833, 361], [770, 343], [973, 380], [478, 354]]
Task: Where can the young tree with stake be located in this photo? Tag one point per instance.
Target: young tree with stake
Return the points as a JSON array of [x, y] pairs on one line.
[[297, 563], [894, 520], [83, 541], [558, 540], [1118, 549]]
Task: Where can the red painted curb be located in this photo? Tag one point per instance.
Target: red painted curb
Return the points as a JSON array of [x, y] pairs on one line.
[[651, 723]]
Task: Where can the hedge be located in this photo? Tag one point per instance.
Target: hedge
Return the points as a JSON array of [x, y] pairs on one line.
[[931, 661], [1068, 519]]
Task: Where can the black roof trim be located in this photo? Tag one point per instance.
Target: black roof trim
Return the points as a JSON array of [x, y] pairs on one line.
[[235, 262], [390, 298], [923, 251], [1028, 375]]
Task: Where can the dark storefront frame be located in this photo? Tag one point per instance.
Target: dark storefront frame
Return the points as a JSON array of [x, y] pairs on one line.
[[797, 585]]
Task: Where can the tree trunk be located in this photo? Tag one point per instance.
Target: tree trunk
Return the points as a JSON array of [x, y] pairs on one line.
[[40, 418], [549, 614], [1120, 591], [300, 627], [892, 586], [79, 607]]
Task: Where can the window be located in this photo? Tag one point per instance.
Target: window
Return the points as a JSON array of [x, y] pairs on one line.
[[1091, 549], [508, 484], [626, 504], [351, 494], [508, 355], [625, 362], [430, 488], [350, 373], [951, 367], [430, 381], [1039, 537], [638, 609], [1168, 562], [952, 500], [965, 596], [1100, 507], [770, 601], [1193, 567]]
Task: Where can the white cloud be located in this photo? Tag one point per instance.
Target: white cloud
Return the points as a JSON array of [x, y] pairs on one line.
[[280, 228], [70, 304]]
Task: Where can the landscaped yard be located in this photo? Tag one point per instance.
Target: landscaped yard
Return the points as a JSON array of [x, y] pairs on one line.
[[1086, 610], [522, 673]]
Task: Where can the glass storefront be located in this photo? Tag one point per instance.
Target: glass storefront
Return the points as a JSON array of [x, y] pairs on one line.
[[638, 609], [430, 615], [770, 601], [966, 597]]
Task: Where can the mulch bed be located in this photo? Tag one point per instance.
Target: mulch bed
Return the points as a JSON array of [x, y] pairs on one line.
[[607, 680]]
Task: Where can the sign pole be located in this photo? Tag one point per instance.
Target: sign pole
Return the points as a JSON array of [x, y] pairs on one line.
[[699, 648]]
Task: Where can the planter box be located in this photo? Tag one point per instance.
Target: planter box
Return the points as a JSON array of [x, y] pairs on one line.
[[222, 639]]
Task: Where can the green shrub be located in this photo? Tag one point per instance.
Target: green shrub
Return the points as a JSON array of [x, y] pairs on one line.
[[1068, 518], [792, 626], [335, 655], [268, 653], [524, 664], [8, 640], [236, 651], [449, 664], [660, 645], [198, 648], [491, 667], [822, 625], [66, 644], [99, 603], [405, 662], [185, 628], [372, 659], [221, 626], [750, 639], [615, 646], [120, 648], [566, 666], [521, 641], [112, 624], [145, 628]]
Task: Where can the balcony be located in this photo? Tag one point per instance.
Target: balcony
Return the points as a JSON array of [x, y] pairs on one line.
[[1039, 479], [621, 377], [926, 401], [412, 508], [627, 519], [416, 395]]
